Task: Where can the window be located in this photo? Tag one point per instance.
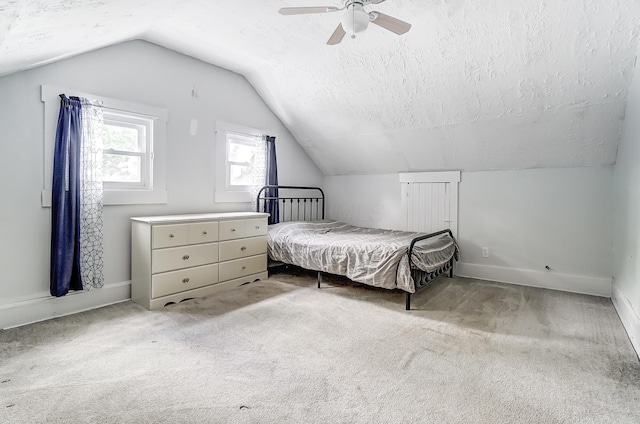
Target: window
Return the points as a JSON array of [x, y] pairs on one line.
[[240, 162], [133, 138], [127, 151], [241, 156]]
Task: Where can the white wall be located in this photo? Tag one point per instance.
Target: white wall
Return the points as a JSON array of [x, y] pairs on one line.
[[529, 219], [626, 262], [143, 73], [365, 200]]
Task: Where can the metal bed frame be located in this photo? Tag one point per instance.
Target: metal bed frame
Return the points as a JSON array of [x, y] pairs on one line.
[[311, 207], [295, 203]]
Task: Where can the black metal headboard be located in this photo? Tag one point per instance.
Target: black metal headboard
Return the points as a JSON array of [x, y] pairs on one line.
[[295, 203]]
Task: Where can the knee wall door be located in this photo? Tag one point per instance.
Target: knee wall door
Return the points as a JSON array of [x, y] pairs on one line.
[[430, 201]]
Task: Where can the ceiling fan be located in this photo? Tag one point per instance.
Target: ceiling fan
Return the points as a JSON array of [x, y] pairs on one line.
[[355, 20]]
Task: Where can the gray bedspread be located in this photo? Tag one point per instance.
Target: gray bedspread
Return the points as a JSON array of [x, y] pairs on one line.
[[366, 255]]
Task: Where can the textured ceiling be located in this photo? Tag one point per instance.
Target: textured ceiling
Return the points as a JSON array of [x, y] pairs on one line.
[[474, 85]]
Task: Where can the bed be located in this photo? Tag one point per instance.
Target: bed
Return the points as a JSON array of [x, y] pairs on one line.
[[389, 259]]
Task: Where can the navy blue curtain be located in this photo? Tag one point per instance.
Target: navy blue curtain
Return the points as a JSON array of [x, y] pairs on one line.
[[65, 200], [271, 205]]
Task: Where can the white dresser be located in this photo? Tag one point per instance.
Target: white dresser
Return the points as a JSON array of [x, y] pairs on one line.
[[179, 257]]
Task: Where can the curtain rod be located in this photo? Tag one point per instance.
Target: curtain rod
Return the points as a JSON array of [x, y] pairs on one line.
[[260, 136]]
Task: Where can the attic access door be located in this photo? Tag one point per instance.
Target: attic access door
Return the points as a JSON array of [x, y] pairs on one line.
[[430, 201]]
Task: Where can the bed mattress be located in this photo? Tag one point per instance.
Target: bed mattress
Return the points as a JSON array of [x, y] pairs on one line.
[[367, 255]]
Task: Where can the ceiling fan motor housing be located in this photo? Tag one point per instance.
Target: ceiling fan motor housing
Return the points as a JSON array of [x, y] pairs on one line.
[[356, 19]]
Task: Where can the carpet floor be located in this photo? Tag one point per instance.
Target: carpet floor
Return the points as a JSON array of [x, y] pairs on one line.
[[283, 351]]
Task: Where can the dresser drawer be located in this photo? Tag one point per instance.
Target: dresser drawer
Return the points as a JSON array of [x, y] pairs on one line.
[[256, 227], [230, 230], [235, 249], [203, 232], [169, 235], [168, 283], [241, 267], [183, 257]]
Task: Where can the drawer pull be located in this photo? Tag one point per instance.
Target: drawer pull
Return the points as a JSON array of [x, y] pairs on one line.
[[171, 236], [185, 280], [243, 248], [233, 230], [244, 267], [257, 227], [185, 257], [204, 232]]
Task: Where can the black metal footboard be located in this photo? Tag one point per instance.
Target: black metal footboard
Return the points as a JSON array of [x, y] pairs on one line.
[[422, 278]]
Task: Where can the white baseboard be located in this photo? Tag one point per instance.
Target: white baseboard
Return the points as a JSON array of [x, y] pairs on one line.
[[628, 316], [44, 306], [596, 286]]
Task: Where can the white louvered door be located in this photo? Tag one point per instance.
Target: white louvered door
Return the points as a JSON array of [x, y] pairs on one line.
[[430, 201]]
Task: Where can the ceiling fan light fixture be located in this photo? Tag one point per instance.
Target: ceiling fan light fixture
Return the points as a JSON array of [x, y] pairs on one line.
[[355, 20]]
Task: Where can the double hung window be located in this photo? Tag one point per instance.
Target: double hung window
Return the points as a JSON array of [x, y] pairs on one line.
[[240, 162], [127, 142]]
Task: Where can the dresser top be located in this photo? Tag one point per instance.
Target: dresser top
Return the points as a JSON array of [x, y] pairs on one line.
[[166, 219]]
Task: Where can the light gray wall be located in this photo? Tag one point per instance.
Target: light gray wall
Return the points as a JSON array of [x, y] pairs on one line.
[[365, 200], [527, 218], [627, 204], [138, 72]]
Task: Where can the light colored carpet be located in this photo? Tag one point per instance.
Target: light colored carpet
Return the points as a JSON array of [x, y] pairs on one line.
[[282, 351]]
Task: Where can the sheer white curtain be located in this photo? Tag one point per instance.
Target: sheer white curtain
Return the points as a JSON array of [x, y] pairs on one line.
[[91, 196], [259, 170]]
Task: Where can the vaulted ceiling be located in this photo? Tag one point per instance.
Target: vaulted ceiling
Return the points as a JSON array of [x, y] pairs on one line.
[[474, 85]]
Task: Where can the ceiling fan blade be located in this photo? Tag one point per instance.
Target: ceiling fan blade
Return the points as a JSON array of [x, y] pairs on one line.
[[306, 10], [376, 1], [390, 23], [337, 36]]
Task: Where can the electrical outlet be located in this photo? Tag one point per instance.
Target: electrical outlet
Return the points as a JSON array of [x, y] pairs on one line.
[[485, 252]]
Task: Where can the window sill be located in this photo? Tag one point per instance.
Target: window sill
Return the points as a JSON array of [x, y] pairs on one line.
[[122, 197]]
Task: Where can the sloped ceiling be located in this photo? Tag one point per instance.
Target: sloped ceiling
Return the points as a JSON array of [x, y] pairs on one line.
[[474, 85]]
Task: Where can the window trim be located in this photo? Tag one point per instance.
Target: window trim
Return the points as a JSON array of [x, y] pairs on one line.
[[224, 192], [155, 193]]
